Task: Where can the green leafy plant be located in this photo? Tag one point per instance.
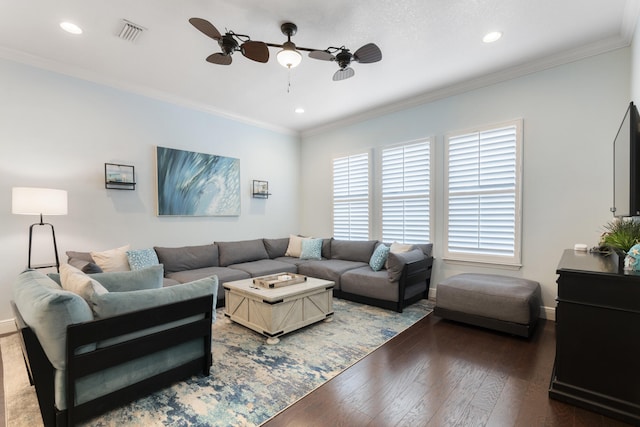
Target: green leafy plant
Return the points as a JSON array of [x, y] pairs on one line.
[[620, 235]]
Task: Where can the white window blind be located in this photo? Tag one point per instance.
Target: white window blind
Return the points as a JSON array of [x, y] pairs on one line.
[[406, 185], [351, 197], [483, 195]]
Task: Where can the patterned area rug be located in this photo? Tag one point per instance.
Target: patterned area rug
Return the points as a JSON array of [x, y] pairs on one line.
[[250, 381]]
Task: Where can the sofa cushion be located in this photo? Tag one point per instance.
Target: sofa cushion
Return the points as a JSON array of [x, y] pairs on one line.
[[311, 249], [396, 262], [241, 251], [276, 247], [326, 248], [264, 267], [142, 258], [112, 259], [125, 281], [291, 260], [379, 257], [368, 283], [187, 257], [116, 303], [352, 250], [74, 280], [48, 310], [330, 269], [131, 372]]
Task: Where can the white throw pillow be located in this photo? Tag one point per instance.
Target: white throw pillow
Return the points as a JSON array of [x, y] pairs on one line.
[[295, 246], [113, 259], [76, 281], [397, 248]]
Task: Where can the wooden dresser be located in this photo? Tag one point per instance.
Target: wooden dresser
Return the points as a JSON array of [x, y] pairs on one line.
[[597, 363]]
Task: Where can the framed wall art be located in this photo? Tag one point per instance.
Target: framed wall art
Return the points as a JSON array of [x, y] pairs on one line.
[[197, 184], [119, 177]]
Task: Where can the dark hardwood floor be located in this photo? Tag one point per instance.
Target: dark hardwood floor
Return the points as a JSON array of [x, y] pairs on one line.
[[440, 373]]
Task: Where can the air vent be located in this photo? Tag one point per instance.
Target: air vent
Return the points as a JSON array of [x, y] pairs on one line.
[[130, 31]]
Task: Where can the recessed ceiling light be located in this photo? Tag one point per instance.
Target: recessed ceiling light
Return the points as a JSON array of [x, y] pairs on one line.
[[492, 37], [70, 28], [299, 110]]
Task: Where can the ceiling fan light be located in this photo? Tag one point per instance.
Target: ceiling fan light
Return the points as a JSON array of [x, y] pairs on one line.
[[289, 57]]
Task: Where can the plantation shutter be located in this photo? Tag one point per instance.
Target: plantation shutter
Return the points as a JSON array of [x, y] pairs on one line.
[[406, 193], [483, 212], [351, 197]]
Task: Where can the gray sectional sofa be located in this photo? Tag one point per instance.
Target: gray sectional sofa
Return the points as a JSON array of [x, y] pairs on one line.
[[404, 279]]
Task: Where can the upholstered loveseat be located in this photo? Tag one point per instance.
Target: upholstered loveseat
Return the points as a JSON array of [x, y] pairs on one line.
[[403, 279], [86, 352]]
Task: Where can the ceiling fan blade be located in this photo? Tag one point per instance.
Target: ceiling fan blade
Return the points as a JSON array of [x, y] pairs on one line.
[[343, 74], [367, 54], [322, 55], [206, 28], [257, 51], [219, 58]]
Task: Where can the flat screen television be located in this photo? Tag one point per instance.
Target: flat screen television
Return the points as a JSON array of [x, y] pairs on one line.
[[626, 166]]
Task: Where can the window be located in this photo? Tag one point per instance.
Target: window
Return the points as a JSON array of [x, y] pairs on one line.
[[482, 206], [351, 197], [406, 181]]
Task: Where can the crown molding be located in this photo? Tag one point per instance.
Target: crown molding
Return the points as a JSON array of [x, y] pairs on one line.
[[101, 79], [540, 64]]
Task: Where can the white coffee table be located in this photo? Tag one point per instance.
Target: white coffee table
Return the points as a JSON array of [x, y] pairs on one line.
[[277, 311]]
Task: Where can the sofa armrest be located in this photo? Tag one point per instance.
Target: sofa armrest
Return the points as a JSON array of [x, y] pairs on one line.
[[195, 317], [415, 277]]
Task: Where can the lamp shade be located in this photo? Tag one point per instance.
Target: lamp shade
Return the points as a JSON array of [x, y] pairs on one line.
[[289, 57], [38, 201]]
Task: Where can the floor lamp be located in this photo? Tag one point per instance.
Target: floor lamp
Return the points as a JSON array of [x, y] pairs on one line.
[[39, 201]]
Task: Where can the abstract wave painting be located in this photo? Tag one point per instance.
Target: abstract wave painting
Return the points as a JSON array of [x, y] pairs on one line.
[[197, 184]]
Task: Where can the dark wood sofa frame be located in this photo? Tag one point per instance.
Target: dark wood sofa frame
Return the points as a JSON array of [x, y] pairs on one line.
[[41, 372], [416, 274]]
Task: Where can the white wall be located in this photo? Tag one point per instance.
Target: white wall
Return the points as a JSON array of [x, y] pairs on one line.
[[571, 114], [635, 66], [57, 131]]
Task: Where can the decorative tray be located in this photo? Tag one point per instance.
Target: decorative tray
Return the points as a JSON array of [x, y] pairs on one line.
[[279, 280]]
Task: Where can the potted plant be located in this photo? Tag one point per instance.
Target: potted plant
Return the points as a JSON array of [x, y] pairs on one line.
[[620, 235]]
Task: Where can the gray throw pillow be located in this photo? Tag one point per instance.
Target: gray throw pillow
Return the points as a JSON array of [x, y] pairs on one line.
[[397, 261]]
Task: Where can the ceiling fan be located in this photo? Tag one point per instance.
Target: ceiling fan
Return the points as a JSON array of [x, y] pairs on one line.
[[289, 56], [367, 54]]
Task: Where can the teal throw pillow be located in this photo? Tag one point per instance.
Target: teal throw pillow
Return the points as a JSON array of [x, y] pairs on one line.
[[311, 249], [142, 258], [379, 257]]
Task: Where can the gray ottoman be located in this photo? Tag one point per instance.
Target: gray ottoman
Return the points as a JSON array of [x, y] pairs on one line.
[[506, 304]]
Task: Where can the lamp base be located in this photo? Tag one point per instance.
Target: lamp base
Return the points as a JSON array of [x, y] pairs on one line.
[[55, 248]]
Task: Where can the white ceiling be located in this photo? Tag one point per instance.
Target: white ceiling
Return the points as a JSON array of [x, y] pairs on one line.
[[429, 47]]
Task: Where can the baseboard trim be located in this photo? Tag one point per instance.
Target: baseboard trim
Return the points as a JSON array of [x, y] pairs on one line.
[[548, 313], [7, 326]]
